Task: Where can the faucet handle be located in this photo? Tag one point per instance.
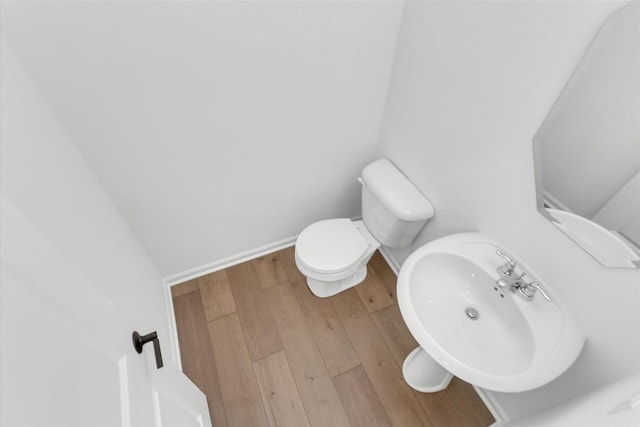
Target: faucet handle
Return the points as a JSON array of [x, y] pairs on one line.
[[538, 287], [510, 265]]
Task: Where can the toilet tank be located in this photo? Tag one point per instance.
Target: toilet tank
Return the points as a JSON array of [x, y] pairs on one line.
[[393, 209]]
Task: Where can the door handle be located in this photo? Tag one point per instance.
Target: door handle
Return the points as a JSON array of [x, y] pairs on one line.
[[141, 340]]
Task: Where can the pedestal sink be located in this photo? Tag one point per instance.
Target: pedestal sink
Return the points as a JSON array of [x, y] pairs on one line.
[[468, 326]]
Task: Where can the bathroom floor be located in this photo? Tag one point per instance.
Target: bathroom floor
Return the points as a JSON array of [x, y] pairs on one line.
[[266, 351]]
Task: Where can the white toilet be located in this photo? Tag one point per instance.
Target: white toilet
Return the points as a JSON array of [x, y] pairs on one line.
[[333, 254]]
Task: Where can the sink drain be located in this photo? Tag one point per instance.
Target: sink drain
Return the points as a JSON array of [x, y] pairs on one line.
[[471, 313]]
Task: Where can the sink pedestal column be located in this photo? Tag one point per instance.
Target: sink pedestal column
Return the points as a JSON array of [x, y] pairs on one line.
[[423, 373]]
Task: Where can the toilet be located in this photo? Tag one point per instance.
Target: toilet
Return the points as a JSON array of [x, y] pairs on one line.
[[333, 253]]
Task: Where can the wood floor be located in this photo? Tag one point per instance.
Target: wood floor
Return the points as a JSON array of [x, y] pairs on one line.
[[267, 352]]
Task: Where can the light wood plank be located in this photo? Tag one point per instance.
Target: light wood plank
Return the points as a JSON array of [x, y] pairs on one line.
[[396, 396], [386, 275], [360, 400], [335, 347], [184, 288], [240, 394], [279, 393], [373, 295], [319, 396], [288, 260], [195, 352], [394, 330], [257, 322], [217, 298], [333, 342], [270, 270], [469, 404], [457, 405]]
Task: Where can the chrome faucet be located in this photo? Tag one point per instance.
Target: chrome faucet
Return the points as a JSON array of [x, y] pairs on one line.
[[507, 268], [528, 291], [507, 278]]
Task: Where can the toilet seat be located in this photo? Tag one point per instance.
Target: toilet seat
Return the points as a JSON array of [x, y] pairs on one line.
[[331, 247]]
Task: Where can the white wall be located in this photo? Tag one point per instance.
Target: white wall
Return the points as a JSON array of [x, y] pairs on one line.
[[45, 177], [215, 127], [471, 84]]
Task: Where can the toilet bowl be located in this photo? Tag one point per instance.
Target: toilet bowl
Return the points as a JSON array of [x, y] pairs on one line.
[[333, 253]]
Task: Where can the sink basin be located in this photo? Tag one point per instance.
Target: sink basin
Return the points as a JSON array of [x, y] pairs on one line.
[[483, 334]]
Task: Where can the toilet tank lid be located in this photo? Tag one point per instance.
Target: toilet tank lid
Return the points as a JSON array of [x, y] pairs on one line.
[[396, 192]]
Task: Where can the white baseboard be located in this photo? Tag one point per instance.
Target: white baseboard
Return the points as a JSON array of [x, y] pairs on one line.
[[192, 273]]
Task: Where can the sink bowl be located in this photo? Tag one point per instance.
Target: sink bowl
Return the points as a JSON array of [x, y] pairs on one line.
[[475, 330]]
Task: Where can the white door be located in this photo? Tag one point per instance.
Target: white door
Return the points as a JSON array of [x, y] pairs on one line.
[[66, 352]]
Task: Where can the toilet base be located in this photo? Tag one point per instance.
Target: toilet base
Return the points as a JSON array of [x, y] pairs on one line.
[[424, 374], [327, 289]]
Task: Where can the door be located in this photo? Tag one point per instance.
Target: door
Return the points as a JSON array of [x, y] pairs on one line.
[[66, 352]]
